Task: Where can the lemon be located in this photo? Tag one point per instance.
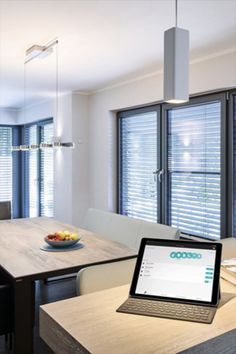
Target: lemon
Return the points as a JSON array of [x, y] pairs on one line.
[[74, 236]]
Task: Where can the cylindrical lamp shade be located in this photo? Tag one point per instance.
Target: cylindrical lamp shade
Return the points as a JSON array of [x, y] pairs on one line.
[[176, 65]]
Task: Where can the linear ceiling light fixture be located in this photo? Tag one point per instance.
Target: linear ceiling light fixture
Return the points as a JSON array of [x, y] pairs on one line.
[[176, 63], [24, 147], [59, 144], [34, 147], [38, 51], [15, 148], [46, 146]]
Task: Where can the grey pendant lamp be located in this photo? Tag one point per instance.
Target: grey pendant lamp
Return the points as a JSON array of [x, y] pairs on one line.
[[176, 63]]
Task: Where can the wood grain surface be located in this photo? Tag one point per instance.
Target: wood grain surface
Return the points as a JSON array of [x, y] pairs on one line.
[[91, 322], [20, 254]]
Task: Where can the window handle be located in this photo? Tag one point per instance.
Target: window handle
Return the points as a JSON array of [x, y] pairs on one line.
[[160, 174], [155, 174]]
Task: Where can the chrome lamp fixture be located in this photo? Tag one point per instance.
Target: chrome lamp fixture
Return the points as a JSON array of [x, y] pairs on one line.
[[45, 146], [57, 143], [24, 147], [38, 51], [68, 145], [34, 147], [176, 63], [15, 148]]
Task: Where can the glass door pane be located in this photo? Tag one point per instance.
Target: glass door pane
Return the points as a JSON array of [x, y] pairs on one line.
[[139, 163], [33, 174], [194, 169], [5, 164], [46, 173], [234, 165]]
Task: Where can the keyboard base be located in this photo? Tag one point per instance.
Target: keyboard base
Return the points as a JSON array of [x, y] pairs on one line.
[[170, 310]]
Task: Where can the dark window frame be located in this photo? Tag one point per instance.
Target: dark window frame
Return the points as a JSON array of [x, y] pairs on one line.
[[16, 161], [195, 101], [226, 98], [127, 114], [25, 202], [231, 178], [18, 165]]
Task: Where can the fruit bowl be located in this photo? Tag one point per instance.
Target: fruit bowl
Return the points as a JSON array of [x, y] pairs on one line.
[[61, 239]]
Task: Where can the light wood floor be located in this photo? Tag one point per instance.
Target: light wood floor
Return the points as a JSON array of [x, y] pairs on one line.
[[45, 293]]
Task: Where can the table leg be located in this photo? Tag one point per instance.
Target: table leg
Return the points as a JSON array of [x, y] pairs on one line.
[[24, 312]]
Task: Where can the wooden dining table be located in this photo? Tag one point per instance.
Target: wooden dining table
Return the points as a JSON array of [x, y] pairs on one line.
[[90, 324], [23, 261]]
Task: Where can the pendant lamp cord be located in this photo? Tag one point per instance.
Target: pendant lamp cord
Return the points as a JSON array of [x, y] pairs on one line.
[[57, 81], [24, 98], [176, 13]]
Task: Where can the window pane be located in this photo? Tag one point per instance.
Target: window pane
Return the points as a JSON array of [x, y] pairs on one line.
[[33, 174], [5, 164], [46, 173], [194, 145], [138, 161], [234, 166]]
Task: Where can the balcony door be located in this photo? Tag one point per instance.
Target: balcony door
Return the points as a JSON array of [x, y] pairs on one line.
[[139, 164], [38, 171], [172, 165], [193, 167]]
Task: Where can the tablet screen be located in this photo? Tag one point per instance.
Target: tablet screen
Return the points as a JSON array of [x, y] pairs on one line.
[[180, 271]]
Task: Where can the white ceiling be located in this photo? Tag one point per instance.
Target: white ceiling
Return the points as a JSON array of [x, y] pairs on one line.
[[101, 42]]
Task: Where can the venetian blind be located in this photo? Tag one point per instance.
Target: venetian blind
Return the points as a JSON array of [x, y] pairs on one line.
[[138, 161], [234, 166], [33, 173], [5, 164], [194, 169], [46, 173]]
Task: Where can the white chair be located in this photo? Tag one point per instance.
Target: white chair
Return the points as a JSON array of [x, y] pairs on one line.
[[123, 229], [126, 230], [104, 276], [96, 221], [155, 230]]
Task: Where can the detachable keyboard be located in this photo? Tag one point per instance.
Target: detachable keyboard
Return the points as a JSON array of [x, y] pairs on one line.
[[177, 311]]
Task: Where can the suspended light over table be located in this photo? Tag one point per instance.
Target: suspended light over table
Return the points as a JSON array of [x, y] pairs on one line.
[[176, 64]]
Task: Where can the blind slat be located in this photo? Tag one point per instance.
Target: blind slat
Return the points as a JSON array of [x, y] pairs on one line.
[[46, 174], [6, 190], [138, 147], [194, 166]]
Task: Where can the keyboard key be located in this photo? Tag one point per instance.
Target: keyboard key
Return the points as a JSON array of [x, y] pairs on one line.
[[170, 310]]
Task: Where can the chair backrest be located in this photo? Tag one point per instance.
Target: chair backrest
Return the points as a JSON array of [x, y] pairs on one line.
[[104, 276], [5, 210], [124, 229], [96, 220], [155, 230]]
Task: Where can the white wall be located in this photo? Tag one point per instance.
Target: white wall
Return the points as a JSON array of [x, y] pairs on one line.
[[80, 180], [210, 74], [63, 162]]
